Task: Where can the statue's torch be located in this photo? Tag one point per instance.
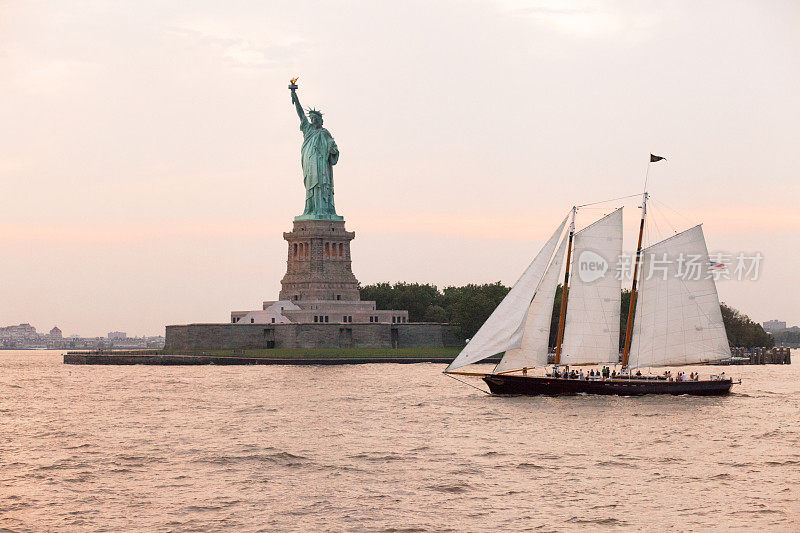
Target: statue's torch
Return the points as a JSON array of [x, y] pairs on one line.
[[293, 88]]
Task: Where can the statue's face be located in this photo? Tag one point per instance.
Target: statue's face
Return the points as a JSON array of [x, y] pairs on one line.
[[316, 121]]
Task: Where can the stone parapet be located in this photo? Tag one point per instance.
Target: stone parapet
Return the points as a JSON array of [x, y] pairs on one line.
[[198, 337]]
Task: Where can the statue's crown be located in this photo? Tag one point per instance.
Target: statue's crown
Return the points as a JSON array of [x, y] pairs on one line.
[[312, 111]]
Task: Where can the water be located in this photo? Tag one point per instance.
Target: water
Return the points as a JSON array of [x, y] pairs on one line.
[[383, 448]]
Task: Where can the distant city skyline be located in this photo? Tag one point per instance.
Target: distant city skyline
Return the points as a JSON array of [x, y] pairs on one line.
[[24, 335], [152, 163]]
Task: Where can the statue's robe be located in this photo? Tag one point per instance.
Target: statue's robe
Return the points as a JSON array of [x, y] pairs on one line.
[[319, 154]]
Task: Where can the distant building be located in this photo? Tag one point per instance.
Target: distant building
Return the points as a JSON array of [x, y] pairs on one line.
[[774, 325], [24, 336], [19, 333], [55, 339]]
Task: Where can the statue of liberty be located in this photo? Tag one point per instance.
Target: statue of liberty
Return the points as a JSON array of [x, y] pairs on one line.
[[318, 155]]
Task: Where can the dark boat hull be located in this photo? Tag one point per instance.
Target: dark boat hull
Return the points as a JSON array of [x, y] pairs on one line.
[[547, 386]]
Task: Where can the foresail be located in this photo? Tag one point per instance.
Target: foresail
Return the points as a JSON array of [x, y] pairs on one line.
[[503, 329], [678, 319], [536, 335], [591, 329]]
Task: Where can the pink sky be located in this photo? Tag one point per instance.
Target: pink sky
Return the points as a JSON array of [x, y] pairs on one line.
[[150, 154]]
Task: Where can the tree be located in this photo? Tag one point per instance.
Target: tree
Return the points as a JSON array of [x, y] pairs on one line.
[[415, 298], [435, 313], [788, 337], [469, 306], [743, 332], [381, 293]]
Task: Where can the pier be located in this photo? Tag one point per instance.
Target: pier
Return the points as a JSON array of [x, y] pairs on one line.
[[263, 357], [758, 356]]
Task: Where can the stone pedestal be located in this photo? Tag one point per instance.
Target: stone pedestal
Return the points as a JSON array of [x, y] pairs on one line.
[[318, 264]]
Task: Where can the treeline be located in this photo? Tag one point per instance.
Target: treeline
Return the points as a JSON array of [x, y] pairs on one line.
[[743, 332], [787, 337], [467, 307]]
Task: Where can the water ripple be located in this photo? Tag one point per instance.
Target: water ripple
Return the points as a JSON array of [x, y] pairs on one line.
[[394, 448]]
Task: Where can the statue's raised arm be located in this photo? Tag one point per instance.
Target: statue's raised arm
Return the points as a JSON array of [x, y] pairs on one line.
[[296, 101]]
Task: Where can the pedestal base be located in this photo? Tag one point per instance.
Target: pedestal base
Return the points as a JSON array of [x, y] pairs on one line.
[[318, 262]]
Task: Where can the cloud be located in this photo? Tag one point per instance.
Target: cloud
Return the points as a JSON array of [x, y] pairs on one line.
[[40, 74], [584, 19], [129, 233], [239, 44]]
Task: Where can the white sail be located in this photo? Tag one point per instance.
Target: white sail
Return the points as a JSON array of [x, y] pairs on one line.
[[503, 329], [591, 328], [536, 336], [678, 319]]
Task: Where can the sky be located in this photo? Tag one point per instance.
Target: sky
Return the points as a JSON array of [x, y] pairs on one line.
[[150, 153]]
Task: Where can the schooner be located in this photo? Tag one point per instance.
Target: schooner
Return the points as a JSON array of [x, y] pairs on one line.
[[674, 319]]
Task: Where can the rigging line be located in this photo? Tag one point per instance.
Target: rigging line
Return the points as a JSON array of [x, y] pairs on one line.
[[612, 200], [674, 210], [661, 212], [659, 233], [465, 383], [663, 216]]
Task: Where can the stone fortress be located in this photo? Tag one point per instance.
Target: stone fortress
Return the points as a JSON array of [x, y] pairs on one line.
[[319, 305]]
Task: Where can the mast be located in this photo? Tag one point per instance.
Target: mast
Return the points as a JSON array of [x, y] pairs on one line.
[[626, 350], [565, 291]]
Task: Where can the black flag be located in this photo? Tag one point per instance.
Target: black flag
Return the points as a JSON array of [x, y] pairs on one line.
[[654, 158]]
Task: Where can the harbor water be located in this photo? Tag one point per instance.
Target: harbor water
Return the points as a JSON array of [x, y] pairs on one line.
[[384, 447]]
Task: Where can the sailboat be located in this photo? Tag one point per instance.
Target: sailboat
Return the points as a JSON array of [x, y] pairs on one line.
[[673, 319]]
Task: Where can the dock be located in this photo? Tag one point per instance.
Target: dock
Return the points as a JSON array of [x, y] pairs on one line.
[[758, 356], [262, 357]]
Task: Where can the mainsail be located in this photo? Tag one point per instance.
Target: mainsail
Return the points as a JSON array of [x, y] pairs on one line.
[[678, 319], [503, 329], [536, 335], [591, 331]]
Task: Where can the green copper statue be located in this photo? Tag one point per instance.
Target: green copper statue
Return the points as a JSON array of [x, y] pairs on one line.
[[318, 155]]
